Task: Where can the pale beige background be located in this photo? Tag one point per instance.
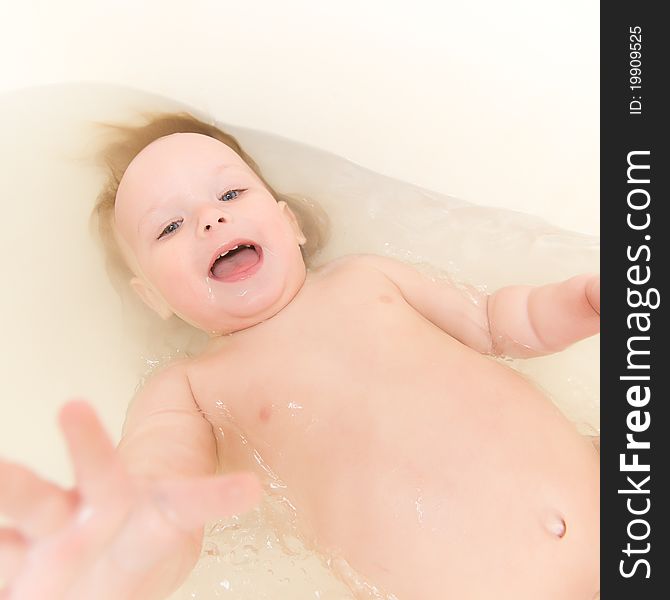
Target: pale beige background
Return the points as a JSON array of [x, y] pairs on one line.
[[494, 102]]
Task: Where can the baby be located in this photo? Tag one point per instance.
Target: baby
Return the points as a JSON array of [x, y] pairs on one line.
[[432, 469]]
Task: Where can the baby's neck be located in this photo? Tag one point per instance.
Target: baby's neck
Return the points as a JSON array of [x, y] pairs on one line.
[[217, 341]]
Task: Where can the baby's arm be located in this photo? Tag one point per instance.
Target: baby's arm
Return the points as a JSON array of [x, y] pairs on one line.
[[132, 527], [515, 321], [165, 434], [532, 321]]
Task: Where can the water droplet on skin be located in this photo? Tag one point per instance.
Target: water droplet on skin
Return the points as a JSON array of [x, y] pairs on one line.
[[418, 503], [210, 292], [293, 407], [84, 514]]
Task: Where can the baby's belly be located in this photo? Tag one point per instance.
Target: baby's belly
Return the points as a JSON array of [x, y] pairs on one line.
[[435, 472], [481, 510], [463, 483]]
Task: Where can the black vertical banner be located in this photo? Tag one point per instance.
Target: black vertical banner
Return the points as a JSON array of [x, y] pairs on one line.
[[635, 168]]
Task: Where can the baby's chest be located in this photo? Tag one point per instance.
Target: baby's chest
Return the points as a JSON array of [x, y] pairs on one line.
[[303, 368], [324, 344]]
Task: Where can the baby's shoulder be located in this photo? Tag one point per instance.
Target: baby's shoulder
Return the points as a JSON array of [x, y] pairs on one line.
[[168, 374], [363, 273], [166, 388]]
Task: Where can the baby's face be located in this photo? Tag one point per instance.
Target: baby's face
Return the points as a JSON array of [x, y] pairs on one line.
[[206, 239]]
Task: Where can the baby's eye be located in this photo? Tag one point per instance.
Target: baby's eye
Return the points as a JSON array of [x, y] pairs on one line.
[[170, 228], [226, 197]]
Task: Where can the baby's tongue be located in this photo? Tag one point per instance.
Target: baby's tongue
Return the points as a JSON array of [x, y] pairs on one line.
[[234, 262]]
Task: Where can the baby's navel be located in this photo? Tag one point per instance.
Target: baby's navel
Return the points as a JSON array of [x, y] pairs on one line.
[[554, 524], [385, 299]]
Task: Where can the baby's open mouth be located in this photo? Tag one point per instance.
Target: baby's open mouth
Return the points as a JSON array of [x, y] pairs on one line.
[[236, 261]]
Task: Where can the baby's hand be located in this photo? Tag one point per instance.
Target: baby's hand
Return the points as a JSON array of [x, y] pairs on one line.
[[115, 535], [593, 292]]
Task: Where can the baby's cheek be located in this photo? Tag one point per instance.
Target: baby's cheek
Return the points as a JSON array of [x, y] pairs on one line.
[[180, 292], [193, 298]]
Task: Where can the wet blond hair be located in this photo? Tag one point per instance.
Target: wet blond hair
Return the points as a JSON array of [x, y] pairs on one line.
[[123, 142]]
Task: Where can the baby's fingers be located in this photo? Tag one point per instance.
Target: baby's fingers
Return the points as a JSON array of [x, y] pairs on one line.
[[35, 506], [191, 503], [98, 471], [13, 549], [593, 293]]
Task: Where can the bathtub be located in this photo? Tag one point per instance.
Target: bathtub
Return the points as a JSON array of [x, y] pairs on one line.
[[486, 103]]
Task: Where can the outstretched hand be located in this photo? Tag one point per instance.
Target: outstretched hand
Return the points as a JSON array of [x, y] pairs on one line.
[[114, 535], [593, 292]]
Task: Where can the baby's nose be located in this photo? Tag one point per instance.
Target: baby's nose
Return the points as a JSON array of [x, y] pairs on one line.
[[210, 217], [219, 220]]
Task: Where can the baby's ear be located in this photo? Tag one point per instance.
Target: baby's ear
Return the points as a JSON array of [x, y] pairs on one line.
[[151, 298], [291, 218]]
